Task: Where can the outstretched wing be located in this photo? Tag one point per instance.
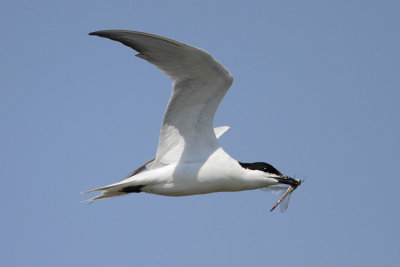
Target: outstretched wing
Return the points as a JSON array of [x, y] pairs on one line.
[[199, 84], [219, 131]]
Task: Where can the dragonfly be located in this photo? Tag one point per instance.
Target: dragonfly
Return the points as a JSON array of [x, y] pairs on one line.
[[285, 198]]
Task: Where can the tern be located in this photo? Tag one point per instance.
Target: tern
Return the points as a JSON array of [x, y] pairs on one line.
[[189, 159]]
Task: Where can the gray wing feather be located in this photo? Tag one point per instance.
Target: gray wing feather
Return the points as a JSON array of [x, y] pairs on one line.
[[199, 84]]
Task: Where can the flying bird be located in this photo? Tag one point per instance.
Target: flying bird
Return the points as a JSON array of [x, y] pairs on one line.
[[189, 159]]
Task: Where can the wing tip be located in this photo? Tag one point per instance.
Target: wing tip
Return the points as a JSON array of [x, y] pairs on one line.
[[127, 34], [96, 33], [106, 33], [100, 33]]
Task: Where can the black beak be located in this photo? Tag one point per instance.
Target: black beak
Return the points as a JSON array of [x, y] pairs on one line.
[[289, 181]]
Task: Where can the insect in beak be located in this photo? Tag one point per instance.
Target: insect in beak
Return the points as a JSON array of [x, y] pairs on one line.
[[290, 189]]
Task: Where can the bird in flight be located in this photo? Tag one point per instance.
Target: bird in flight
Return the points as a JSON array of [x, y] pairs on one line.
[[189, 159]]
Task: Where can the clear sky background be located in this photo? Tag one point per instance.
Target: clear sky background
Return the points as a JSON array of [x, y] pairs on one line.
[[315, 93]]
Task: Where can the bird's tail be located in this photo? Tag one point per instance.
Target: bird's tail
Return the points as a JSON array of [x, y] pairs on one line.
[[113, 190]]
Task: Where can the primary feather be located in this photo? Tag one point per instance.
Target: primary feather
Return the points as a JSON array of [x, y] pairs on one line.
[[199, 84]]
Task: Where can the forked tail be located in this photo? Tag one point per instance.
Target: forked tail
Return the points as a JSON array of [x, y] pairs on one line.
[[113, 190]]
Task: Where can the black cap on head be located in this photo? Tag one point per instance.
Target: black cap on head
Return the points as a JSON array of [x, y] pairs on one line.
[[260, 166]]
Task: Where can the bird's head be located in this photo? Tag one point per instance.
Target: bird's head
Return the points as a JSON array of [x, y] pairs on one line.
[[270, 172]]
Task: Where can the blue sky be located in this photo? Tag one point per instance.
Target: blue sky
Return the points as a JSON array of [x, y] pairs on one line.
[[315, 93]]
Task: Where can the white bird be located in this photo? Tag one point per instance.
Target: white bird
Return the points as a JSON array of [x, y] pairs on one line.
[[189, 159]]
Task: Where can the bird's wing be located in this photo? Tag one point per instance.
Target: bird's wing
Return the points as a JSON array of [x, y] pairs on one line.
[[219, 131], [199, 84]]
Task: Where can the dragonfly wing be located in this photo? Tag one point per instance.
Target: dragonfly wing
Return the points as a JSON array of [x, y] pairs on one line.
[[285, 203]]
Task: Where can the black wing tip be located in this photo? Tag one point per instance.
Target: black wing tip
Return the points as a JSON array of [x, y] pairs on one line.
[[103, 33], [99, 33], [111, 34], [118, 34]]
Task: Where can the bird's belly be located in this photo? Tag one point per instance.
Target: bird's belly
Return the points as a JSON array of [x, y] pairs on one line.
[[195, 187], [219, 174], [179, 189]]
